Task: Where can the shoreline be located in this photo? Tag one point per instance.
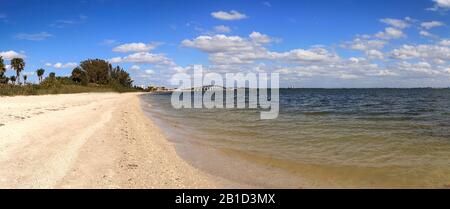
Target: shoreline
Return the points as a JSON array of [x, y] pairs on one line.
[[90, 140], [221, 162]]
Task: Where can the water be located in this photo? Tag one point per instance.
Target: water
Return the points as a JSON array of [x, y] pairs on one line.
[[370, 138]]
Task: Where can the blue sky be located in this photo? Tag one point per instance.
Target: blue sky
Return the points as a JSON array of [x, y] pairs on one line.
[[314, 43]]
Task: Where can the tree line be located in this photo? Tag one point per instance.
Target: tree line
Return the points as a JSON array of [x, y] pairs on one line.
[[91, 71]]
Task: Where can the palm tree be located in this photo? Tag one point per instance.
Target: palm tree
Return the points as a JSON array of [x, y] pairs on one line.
[[2, 67], [13, 79], [18, 65], [2, 71], [25, 79], [40, 73]]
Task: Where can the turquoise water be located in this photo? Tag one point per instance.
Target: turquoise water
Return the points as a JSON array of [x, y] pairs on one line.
[[371, 138]]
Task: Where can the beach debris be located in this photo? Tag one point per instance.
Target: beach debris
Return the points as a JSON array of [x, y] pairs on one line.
[[132, 166]]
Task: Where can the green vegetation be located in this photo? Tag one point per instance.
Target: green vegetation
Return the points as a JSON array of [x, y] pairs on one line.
[[91, 76], [40, 73], [18, 65], [3, 79], [13, 79]]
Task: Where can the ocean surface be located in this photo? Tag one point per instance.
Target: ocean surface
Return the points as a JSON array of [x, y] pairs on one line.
[[334, 138]]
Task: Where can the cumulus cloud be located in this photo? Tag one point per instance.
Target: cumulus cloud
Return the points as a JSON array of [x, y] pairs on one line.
[[397, 23], [135, 47], [426, 34], [445, 42], [11, 54], [432, 53], [363, 44], [135, 67], [260, 38], [251, 53], [443, 3], [232, 15], [60, 65], [222, 29], [432, 24], [144, 57], [224, 49], [420, 68], [115, 60], [374, 54], [33, 36], [313, 55], [149, 72], [229, 49], [218, 43], [390, 33]]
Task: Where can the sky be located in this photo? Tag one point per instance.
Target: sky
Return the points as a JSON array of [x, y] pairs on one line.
[[310, 43]]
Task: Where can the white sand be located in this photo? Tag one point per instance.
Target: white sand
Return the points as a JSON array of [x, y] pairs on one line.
[[94, 140]]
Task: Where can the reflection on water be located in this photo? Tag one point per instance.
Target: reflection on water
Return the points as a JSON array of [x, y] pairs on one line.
[[333, 138]]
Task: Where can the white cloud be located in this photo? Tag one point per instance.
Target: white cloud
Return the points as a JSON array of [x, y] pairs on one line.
[[445, 42], [234, 50], [426, 34], [402, 24], [260, 38], [115, 60], [149, 72], [308, 56], [243, 53], [423, 52], [11, 54], [135, 67], [374, 54], [232, 15], [144, 57], [218, 43], [356, 59], [229, 49], [385, 73], [135, 47], [363, 44], [348, 76], [432, 24], [222, 29], [33, 37], [60, 65], [443, 3], [422, 68], [390, 33]]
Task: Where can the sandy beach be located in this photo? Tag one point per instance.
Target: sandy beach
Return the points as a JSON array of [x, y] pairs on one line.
[[92, 140]]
